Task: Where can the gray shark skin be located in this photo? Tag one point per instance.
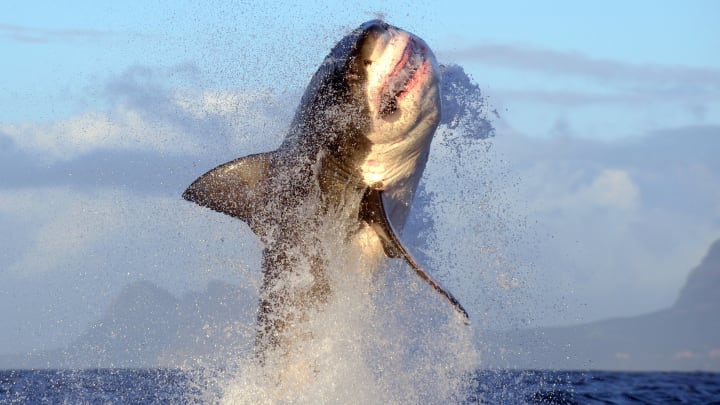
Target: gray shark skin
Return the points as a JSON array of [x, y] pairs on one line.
[[353, 155]]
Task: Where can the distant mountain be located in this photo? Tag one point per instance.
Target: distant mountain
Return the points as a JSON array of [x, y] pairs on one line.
[[135, 329], [702, 289], [683, 337], [146, 326]]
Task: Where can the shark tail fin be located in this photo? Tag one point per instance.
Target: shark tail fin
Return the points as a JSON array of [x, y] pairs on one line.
[[236, 188]]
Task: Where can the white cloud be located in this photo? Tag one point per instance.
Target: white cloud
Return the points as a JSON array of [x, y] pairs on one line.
[[151, 119], [224, 102], [602, 98], [69, 227], [626, 220], [613, 188], [556, 187], [610, 188], [123, 129], [28, 34], [116, 234], [563, 63], [257, 119]]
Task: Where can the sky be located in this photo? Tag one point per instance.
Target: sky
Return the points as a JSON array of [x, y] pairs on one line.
[[600, 190]]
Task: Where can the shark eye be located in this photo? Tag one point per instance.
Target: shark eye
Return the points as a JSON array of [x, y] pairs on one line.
[[367, 62]]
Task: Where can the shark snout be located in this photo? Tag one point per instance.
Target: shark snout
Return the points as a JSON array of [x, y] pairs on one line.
[[376, 27]]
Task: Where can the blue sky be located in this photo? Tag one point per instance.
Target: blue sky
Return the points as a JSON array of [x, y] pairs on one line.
[[60, 51], [603, 163]]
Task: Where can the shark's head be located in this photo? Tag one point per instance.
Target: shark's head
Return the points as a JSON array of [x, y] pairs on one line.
[[400, 77], [376, 98]]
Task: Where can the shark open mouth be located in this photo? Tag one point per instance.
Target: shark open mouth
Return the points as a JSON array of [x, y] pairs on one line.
[[403, 77]]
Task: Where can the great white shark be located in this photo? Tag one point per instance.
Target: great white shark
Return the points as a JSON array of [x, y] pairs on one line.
[[353, 155]]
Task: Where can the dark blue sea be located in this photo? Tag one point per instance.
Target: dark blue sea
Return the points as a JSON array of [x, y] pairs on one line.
[[167, 386]]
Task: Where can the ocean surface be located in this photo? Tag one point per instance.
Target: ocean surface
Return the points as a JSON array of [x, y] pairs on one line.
[[164, 386]]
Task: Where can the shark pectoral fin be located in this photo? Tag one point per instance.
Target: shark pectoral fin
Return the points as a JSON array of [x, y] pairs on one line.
[[372, 211], [236, 188]]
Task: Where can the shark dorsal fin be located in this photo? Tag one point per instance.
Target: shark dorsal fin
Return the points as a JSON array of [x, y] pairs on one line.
[[372, 211], [236, 188]]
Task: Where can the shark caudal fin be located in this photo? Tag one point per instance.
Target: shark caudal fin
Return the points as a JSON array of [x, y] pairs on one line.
[[236, 188]]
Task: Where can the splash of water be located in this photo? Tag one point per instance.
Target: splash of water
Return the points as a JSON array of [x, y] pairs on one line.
[[382, 337]]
